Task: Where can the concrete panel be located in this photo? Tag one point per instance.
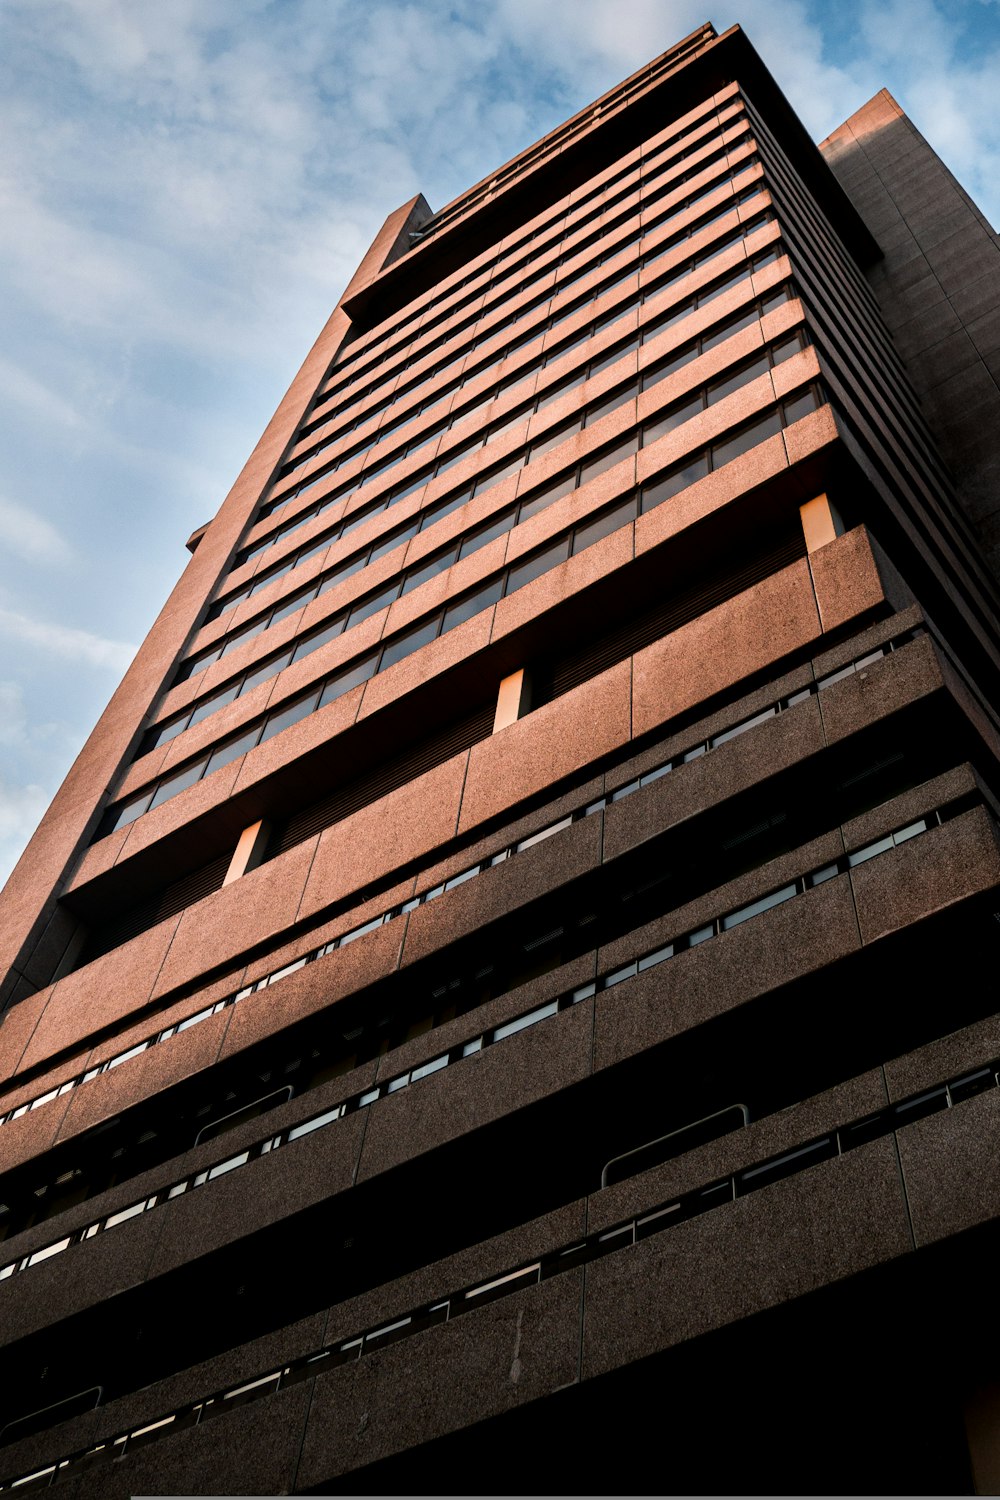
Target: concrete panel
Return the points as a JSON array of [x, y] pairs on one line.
[[750, 758], [83, 1276], [847, 579], [314, 987], [219, 928], [880, 689], [143, 1077], [102, 992], [376, 840], [251, 1450], [948, 1057], [927, 874], [562, 737], [486, 1362], [265, 1191], [741, 1148], [832, 1221], [724, 645], [949, 1163], [484, 1087], [506, 888], [769, 950]]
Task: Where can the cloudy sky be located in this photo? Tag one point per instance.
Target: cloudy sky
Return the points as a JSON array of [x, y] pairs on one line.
[[185, 188]]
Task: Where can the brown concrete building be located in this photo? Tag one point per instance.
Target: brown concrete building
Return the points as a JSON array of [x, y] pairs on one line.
[[505, 999]]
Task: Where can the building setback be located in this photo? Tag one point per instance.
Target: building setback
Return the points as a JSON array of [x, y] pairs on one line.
[[504, 1000]]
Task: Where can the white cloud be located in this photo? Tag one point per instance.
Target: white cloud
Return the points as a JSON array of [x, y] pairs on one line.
[[67, 642], [31, 536], [21, 807]]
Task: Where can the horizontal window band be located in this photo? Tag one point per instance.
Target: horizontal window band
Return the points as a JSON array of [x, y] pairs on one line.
[[389, 652], [693, 404], [643, 295], [550, 296], [696, 750], [713, 335], [645, 175], [756, 1177]]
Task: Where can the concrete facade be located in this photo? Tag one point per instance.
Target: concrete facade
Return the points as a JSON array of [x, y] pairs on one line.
[[501, 1002]]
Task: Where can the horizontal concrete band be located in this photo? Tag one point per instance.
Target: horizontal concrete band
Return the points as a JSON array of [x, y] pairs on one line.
[[696, 749], [948, 1093]]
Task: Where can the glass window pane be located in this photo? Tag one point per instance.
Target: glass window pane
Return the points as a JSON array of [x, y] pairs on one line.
[[610, 404], [785, 350], [178, 782], [130, 810], [595, 531], [799, 406], [734, 382], [344, 681], [741, 442], [457, 614], [291, 714], [314, 551], [246, 634], [741, 273], [232, 749], [429, 569], [291, 605], [368, 607], [776, 898], [533, 567], [361, 515], [546, 444], [390, 543], [561, 389], [444, 464], [727, 329], [444, 508], [165, 732], [669, 367], [273, 576], [411, 641], [339, 574], [541, 498], [497, 527], [217, 700], [604, 461], [676, 417], [318, 638], [672, 483], [264, 673], [605, 361], [870, 851]]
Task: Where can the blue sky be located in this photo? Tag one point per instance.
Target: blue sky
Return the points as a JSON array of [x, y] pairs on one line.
[[185, 188]]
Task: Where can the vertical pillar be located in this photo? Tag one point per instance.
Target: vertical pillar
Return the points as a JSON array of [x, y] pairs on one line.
[[513, 699], [249, 851], [820, 522]]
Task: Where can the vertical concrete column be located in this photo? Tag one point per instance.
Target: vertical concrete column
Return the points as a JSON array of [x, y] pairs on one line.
[[513, 699], [820, 522], [249, 850]]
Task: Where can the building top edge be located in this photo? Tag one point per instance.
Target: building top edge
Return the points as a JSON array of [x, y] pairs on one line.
[[702, 64]]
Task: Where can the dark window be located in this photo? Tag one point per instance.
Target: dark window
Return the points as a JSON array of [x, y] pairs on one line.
[[232, 749], [405, 644], [457, 614], [289, 715], [360, 672], [534, 567]]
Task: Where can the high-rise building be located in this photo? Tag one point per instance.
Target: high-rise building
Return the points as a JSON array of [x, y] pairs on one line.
[[505, 999]]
